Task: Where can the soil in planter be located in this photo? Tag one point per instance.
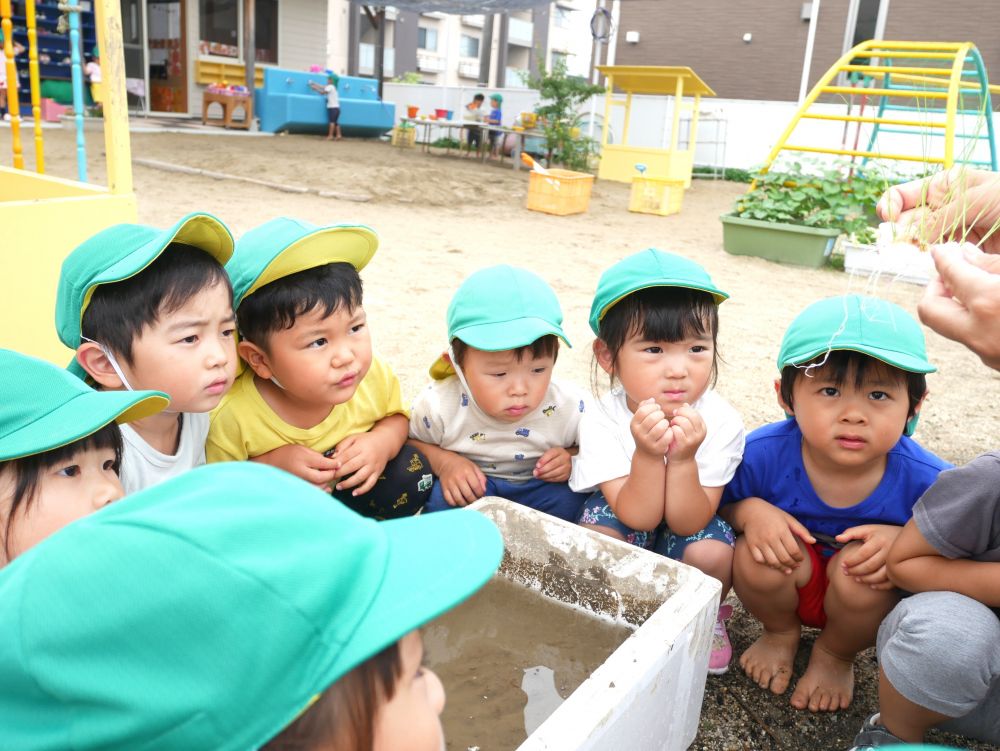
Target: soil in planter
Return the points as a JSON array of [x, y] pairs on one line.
[[508, 656]]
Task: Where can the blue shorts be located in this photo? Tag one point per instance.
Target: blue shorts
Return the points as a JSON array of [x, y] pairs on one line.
[[598, 513], [553, 498]]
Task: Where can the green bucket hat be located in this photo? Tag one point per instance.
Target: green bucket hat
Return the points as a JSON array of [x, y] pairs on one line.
[[496, 98], [868, 325], [241, 629], [44, 407], [648, 268], [120, 252], [500, 308], [286, 246]]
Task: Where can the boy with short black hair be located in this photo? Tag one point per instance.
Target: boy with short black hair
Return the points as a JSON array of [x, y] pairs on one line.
[[820, 497], [314, 400], [151, 309], [492, 422]]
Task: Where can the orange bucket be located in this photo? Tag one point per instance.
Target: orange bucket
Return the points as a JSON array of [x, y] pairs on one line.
[[412, 111]]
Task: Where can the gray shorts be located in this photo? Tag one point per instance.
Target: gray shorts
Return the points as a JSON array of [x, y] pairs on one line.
[[941, 650]]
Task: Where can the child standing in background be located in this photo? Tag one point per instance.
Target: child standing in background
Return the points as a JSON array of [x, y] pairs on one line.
[[332, 103], [657, 451], [495, 118], [493, 422]]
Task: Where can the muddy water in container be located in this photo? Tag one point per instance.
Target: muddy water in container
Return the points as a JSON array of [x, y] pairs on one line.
[[569, 605], [509, 657]]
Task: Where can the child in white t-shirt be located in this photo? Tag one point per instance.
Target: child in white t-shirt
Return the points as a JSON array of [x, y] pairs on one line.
[[658, 450], [492, 422], [332, 103]]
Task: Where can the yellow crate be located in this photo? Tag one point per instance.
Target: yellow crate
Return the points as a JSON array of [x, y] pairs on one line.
[[656, 195], [559, 192], [406, 137]]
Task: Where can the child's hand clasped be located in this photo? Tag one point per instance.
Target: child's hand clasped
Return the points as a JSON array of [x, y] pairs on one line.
[[462, 482], [687, 430], [554, 465], [360, 459], [866, 563], [773, 537], [651, 428]]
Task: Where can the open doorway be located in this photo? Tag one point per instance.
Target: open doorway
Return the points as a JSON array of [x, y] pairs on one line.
[[167, 56]]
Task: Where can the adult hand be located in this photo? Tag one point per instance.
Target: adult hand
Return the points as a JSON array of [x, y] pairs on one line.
[[959, 204], [963, 302]]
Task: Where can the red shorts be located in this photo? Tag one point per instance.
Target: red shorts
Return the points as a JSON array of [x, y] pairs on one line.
[[811, 596]]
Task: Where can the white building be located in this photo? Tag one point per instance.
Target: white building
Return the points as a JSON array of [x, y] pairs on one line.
[[462, 50]]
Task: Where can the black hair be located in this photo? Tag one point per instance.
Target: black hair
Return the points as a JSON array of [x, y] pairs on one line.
[[119, 311], [661, 314], [27, 470], [840, 364], [546, 346], [343, 717], [275, 306], [479, 98]]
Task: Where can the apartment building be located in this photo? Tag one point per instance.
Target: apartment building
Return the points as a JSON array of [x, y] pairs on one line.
[[462, 50], [756, 50]]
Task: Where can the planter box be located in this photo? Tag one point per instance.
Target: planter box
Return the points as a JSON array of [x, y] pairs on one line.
[[647, 695], [784, 243]]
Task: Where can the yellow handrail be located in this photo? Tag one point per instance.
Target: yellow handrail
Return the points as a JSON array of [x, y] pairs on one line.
[[13, 105], [36, 84], [879, 120], [869, 154]]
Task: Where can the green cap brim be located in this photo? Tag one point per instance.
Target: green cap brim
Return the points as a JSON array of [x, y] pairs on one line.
[[902, 360], [463, 547], [79, 417]]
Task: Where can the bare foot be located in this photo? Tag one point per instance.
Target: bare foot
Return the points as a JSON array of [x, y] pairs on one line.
[[768, 661], [328, 138], [827, 685]]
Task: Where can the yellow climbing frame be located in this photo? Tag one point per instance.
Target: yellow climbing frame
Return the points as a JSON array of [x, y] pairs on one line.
[[618, 160], [913, 78], [42, 218]]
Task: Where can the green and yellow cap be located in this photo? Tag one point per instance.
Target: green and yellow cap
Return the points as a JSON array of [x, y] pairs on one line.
[[44, 407], [498, 308], [285, 246], [120, 252], [645, 269], [868, 325], [181, 617]]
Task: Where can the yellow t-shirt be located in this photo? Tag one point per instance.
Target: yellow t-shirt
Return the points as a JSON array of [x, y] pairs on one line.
[[244, 426]]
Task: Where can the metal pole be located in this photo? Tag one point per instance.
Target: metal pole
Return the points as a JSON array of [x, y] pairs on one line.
[[807, 61], [77, 78], [486, 50], [250, 55], [117, 147], [380, 49]]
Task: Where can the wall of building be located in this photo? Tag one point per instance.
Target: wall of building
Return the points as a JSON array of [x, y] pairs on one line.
[[302, 33], [707, 36], [337, 35]]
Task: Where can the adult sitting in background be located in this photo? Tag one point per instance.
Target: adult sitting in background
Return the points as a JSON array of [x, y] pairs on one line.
[[939, 665]]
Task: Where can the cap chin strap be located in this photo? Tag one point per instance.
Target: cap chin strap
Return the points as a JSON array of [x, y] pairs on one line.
[[114, 363], [118, 370], [277, 383], [461, 376]]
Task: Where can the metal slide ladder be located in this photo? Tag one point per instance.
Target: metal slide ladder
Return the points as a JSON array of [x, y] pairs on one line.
[[926, 91]]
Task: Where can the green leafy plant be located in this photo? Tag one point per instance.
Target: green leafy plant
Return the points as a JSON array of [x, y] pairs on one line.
[[830, 196], [561, 97], [446, 142], [410, 76]]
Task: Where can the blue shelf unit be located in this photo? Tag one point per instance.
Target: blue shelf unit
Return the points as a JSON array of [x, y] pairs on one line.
[[50, 44]]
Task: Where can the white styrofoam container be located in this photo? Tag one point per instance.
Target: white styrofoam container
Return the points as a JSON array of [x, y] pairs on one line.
[[902, 262], [648, 693]]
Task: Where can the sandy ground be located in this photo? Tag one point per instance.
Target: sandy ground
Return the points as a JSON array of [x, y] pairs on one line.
[[439, 218]]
